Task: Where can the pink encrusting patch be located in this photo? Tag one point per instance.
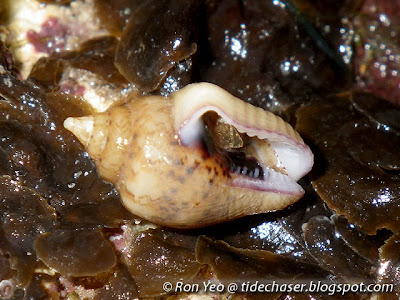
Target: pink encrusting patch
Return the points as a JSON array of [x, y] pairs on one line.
[[51, 37], [377, 59], [72, 87]]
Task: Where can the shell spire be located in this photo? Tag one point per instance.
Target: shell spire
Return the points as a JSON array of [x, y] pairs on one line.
[[81, 127], [102, 140]]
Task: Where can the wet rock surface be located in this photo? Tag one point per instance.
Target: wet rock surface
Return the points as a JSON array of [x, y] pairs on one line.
[[63, 228], [150, 47], [170, 256], [76, 252], [257, 48], [389, 263], [355, 171], [96, 56], [377, 52]]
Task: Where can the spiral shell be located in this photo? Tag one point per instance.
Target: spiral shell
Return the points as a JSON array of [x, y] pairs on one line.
[[153, 150]]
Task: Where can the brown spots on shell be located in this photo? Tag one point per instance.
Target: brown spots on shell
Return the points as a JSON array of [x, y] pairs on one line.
[[224, 173], [207, 213], [163, 209], [167, 198], [176, 162]]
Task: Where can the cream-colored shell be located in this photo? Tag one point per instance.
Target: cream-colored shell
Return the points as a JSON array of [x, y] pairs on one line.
[[136, 146]]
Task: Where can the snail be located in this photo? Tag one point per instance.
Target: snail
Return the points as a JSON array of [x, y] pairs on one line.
[[195, 158]]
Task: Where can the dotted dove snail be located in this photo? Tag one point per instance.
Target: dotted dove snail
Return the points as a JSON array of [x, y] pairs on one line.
[[198, 157]]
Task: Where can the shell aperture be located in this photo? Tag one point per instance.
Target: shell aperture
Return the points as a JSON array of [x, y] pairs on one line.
[[166, 160]]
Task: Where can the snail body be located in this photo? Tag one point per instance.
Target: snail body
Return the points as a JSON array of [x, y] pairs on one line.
[[154, 150]]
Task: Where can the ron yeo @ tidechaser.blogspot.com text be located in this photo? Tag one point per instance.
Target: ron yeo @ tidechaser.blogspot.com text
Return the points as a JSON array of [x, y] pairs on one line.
[[277, 287]]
